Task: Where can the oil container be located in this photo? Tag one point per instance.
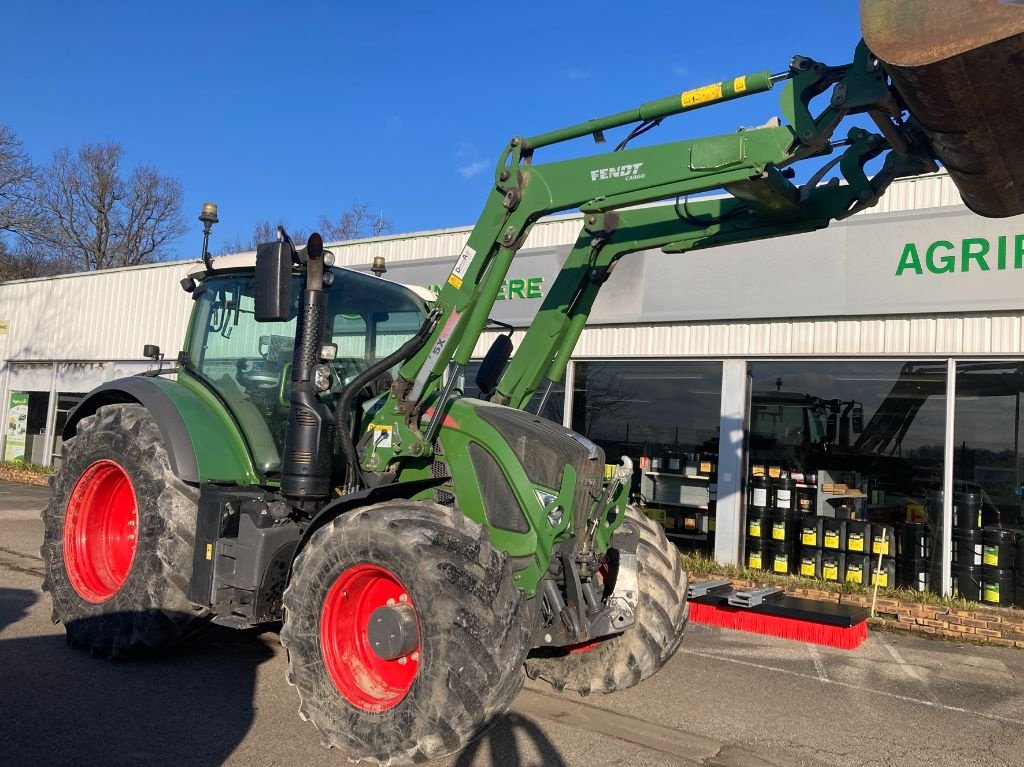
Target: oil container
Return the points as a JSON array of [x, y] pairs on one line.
[[997, 586], [883, 540], [781, 556], [782, 494], [913, 574], [809, 562], [758, 525], [755, 554], [884, 576], [968, 582], [966, 510], [833, 564], [832, 533], [967, 547], [760, 487], [999, 547], [805, 499], [913, 541], [809, 532], [783, 525], [858, 538], [858, 567]]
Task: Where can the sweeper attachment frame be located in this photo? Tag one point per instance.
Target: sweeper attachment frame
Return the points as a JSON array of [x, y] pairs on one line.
[[312, 463]]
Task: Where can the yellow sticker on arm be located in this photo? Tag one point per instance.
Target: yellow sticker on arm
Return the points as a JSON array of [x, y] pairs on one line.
[[739, 85], [701, 95]]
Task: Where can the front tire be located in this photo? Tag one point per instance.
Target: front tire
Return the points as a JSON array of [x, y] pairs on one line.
[[117, 538], [626, 659], [455, 666]]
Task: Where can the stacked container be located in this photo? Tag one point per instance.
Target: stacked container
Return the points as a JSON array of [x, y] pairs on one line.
[[999, 551], [913, 553]]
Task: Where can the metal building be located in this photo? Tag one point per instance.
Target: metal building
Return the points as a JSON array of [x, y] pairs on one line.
[[895, 335]]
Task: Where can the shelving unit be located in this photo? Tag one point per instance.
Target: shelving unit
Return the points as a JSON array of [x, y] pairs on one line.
[[676, 494], [673, 489], [828, 499]]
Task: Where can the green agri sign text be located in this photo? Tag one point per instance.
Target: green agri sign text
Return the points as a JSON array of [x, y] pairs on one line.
[[510, 290], [971, 254]]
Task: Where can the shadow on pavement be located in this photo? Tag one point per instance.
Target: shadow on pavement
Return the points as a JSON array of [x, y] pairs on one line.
[[14, 605], [508, 751], [60, 706]]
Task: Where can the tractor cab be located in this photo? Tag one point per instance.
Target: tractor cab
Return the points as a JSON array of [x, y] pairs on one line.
[[248, 363]]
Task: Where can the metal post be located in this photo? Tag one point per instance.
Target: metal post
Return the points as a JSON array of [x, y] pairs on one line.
[[729, 507], [544, 398], [5, 393], [570, 388], [947, 480], [1016, 449], [51, 415]]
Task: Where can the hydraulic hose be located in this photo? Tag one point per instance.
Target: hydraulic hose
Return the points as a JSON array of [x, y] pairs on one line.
[[344, 406]]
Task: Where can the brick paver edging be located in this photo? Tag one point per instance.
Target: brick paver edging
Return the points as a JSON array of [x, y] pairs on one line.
[[25, 477]]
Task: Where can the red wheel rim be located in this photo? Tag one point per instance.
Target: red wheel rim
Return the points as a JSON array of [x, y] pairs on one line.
[[366, 680], [100, 530]]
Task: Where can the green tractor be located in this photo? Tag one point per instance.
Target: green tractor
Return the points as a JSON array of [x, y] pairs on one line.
[[311, 461]]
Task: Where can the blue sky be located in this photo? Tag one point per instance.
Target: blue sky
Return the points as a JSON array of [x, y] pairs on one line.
[[289, 111]]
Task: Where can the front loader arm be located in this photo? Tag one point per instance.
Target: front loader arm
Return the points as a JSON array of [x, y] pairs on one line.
[[685, 226], [751, 164]]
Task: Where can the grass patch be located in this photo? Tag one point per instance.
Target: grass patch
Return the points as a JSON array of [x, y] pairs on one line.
[[28, 468]]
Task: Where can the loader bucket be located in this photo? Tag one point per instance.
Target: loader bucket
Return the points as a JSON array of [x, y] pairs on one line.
[[959, 67]]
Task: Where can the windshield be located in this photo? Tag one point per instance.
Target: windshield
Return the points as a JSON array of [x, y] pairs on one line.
[[249, 363]]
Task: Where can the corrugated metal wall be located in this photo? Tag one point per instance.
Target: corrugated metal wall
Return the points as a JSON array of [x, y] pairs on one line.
[[899, 336], [111, 315], [102, 315]]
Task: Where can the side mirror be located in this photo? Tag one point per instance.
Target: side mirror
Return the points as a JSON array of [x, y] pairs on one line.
[[857, 419], [831, 428], [493, 365], [273, 281]]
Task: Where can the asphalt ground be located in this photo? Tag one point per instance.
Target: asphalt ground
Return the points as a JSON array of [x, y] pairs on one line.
[[727, 698]]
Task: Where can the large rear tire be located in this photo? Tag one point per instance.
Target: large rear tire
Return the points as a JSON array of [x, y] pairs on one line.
[[626, 659], [461, 651], [118, 535]]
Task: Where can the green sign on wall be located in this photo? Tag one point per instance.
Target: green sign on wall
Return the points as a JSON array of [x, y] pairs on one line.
[[17, 426], [969, 254]]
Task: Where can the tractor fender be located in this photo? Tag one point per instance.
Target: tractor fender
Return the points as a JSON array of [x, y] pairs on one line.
[[366, 497], [203, 443]]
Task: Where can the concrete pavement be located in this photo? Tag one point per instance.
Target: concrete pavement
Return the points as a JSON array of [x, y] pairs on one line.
[[728, 698]]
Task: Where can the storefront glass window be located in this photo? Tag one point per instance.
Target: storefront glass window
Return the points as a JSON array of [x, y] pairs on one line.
[[66, 402], [553, 409], [26, 427], [665, 417], [846, 459], [987, 476]]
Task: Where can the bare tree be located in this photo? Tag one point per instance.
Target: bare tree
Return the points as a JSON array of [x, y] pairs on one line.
[[97, 218], [17, 214], [354, 223], [263, 231], [29, 256], [19, 218]]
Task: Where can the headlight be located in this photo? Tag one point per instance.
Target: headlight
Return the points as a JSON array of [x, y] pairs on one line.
[[322, 377]]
